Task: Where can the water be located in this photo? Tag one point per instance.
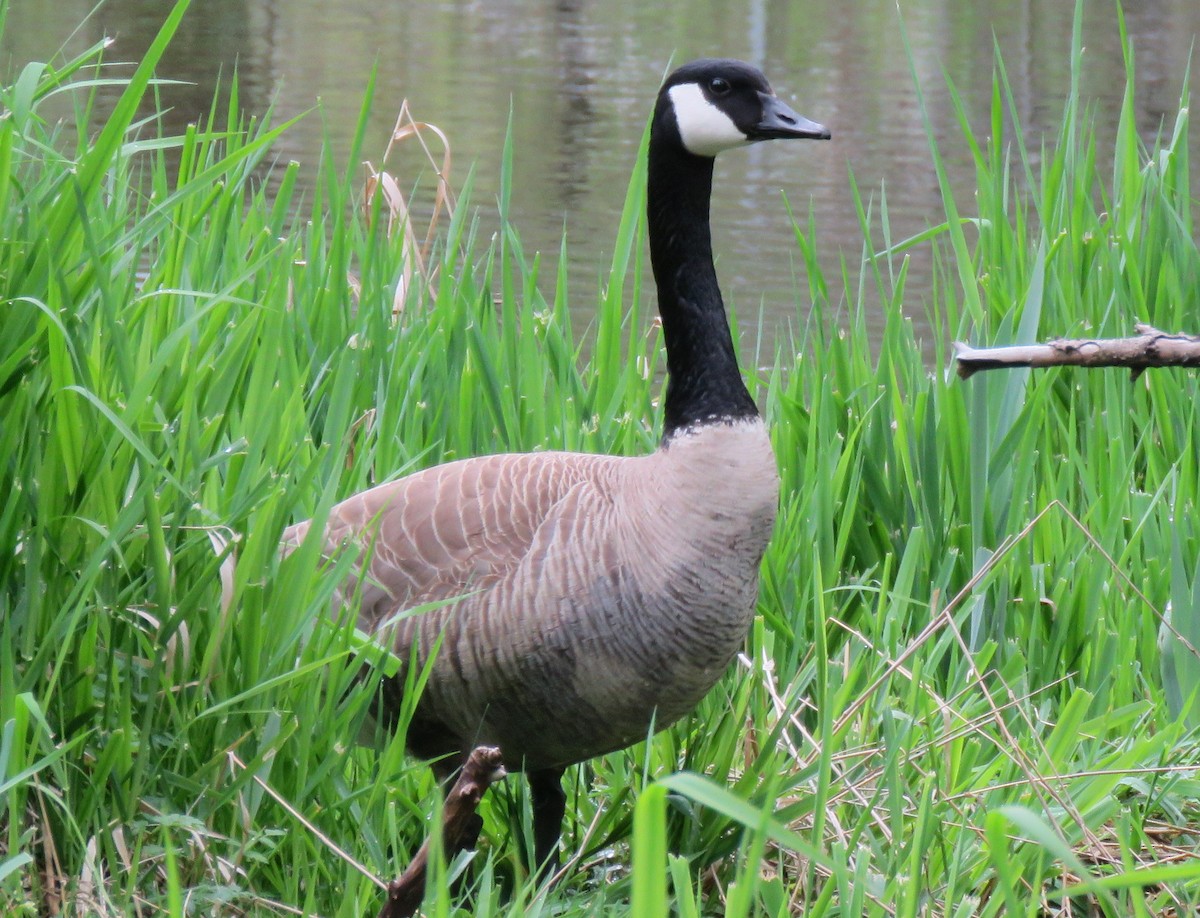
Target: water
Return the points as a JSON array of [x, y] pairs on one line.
[[577, 80]]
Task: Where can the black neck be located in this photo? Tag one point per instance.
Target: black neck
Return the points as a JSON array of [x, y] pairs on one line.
[[704, 383]]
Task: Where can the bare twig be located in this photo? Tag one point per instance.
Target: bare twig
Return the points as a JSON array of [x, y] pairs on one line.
[[460, 830], [1149, 348]]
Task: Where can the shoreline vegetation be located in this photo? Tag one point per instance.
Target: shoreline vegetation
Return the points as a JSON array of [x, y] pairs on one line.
[[971, 687]]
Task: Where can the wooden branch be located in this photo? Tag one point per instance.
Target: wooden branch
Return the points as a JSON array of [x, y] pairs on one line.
[[1150, 348], [460, 830]]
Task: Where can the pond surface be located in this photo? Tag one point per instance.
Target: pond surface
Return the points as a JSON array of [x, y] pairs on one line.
[[579, 78]]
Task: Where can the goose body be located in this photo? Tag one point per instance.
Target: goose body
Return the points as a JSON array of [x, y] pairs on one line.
[[588, 599], [607, 598]]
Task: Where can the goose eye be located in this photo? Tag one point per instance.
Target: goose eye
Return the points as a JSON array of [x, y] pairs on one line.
[[718, 86]]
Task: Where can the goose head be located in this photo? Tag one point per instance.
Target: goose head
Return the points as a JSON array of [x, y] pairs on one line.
[[716, 104]]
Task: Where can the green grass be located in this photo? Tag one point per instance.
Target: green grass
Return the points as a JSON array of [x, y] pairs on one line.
[[963, 695]]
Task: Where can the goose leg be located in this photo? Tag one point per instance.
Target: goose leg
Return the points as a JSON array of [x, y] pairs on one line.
[[549, 806]]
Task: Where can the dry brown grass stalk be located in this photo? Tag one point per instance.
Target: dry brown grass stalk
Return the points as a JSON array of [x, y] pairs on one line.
[[415, 248]]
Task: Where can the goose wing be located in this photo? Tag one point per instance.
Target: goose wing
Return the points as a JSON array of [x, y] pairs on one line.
[[446, 531]]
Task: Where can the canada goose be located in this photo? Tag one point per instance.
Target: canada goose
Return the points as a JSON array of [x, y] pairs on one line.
[[597, 597]]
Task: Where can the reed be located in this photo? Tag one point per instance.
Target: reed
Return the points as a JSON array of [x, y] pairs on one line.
[[964, 694]]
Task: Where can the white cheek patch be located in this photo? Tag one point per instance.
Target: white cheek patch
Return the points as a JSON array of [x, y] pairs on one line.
[[704, 128]]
